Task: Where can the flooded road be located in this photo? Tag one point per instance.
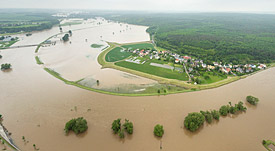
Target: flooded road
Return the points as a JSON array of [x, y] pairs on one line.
[[37, 105]]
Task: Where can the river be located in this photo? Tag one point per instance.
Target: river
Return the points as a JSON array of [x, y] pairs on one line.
[[37, 105]]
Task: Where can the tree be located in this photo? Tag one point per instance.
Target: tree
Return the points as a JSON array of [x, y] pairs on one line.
[[193, 121], [121, 133], [78, 125], [224, 110], [65, 37], [5, 66], [252, 100], [208, 116], [128, 126], [70, 32], [215, 114], [116, 126], [158, 130]]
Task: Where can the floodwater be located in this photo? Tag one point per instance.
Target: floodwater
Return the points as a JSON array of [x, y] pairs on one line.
[[76, 59], [37, 105]]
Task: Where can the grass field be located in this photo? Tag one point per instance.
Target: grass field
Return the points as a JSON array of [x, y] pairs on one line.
[[158, 71], [139, 46], [4, 45], [96, 46], [116, 54], [212, 78]]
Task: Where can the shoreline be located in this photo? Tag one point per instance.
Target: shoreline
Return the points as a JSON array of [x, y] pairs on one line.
[[101, 60]]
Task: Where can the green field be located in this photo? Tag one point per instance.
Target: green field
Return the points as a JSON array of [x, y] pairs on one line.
[[96, 46], [158, 71], [139, 46], [4, 45], [116, 54], [213, 77]]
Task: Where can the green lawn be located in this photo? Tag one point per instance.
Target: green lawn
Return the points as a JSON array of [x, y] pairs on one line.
[[158, 71], [139, 46], [213, 77], [116, 54]]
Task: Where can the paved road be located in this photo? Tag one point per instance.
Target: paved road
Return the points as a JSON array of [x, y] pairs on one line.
[[4, 135]]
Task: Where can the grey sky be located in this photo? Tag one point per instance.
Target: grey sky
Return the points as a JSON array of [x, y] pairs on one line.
[[154, 5]]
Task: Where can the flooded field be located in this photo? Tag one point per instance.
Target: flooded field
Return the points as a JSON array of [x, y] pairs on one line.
[[37, 105]]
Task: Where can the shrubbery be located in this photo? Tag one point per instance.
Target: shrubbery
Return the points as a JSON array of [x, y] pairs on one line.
[[252, 100], [127, 126], [158, 130], [78, 125]]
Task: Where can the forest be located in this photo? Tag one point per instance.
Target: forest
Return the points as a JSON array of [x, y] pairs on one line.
[[220, 37], [13, 22]]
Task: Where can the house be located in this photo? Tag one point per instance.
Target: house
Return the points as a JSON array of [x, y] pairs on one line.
[[186, 57], [226, 70], [262, 66], [215, 63], [177, 61], [203, 65], [210, 67], [239, 70]]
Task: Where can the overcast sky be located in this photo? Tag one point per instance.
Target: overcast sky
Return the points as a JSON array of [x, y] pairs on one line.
[[148, 5]]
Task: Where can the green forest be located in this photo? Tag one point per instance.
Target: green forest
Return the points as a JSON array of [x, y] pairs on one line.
[[14, 22], [229, 38]]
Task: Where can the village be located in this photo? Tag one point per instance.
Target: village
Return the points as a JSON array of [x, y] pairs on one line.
[[194, 67]]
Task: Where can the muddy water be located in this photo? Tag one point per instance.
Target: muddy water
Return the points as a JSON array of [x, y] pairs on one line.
[[36, 105], [76, 59]]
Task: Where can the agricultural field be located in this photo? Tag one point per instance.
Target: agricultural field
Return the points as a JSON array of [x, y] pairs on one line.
[[153, 70], [117, 54]]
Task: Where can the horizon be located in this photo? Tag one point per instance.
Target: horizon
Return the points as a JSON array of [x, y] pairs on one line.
[[177, 6]]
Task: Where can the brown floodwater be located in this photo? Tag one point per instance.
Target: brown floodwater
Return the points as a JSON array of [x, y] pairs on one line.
[[37, 105]]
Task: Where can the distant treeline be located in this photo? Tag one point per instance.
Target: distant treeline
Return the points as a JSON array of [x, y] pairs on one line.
[[14, 22], [235, 38]]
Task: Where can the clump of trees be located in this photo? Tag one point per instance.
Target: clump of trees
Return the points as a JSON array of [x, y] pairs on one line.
[[193, 121], [158, 130], [5, 66], [65, 37], [118, 129], [78, 125], [252, 100]]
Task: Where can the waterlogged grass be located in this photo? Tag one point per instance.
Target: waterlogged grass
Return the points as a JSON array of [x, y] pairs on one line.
[[38, 61], [96, 46], [138, 46], [158, 71], [117, 54]]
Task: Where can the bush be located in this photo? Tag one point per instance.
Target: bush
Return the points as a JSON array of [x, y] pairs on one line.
[[5, 66], [215, 114], [121, 133], [158, 130], [193, 121], [65, 37], [240, 106], [224, 110], [208, 116], [116, 126], [128, 126], [78, 125], [252, 100], [263, 142]]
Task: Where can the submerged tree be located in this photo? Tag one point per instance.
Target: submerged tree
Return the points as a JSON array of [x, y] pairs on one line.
[[5, 66], [65, 37], [158, 130], [78, 125], [193, 121], [252, 100]]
